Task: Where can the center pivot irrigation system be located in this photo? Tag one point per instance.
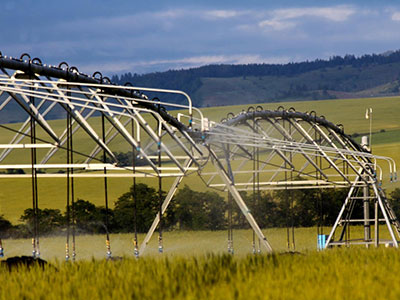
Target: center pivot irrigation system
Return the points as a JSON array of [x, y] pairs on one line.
[[253, 151]]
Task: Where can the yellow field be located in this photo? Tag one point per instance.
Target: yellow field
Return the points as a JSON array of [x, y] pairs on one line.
[[333, 274]]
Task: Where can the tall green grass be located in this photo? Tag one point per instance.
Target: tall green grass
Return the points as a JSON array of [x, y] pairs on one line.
[[332, 274]]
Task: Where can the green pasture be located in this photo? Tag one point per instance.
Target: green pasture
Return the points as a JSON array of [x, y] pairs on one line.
[[334, 274], [15, 194]]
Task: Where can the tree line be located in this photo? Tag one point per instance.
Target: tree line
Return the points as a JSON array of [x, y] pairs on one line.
[[189, 80], [191, 210]]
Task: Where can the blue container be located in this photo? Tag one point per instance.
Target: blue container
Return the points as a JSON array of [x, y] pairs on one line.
[[322, 238]]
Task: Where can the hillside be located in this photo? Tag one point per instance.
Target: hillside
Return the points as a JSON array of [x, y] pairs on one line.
[[336, 78], [220, 85]]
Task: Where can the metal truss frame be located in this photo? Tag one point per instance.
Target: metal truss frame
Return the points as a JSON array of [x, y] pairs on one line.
[[291, 150]]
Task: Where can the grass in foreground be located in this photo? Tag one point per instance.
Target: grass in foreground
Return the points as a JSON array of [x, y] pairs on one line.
[[332, 274]]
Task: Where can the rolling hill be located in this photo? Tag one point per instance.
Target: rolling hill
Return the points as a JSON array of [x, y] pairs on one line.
[[220, 85], [337, 78]]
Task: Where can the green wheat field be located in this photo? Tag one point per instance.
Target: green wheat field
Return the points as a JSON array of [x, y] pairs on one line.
[[333, 274], [195, 265]]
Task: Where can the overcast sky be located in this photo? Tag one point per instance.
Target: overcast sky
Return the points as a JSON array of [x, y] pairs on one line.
[[145, 36]]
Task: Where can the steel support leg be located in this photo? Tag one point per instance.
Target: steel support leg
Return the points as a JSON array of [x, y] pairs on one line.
[[367, 229], [165, 204], [242, 205], [342, 210], [385, 216]]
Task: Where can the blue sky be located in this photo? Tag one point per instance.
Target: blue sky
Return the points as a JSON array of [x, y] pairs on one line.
[[120, 36]]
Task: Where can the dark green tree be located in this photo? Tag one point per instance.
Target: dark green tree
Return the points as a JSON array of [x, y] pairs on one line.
[[5, 227], [48, 219], [332, 200], [199, 210], [147, 204], [263, 208], [214, 206], [90, 218], [395, 201], [189, 210]]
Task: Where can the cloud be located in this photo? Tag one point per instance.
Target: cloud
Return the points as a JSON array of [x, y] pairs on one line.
[[223, 14], [282, 19], [154, 37], [277, 24], [122, 22], [396, 16], [185, 62]]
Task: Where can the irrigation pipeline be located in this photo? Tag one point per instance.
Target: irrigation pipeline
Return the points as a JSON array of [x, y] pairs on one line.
[[221, 135], [73, 75], [225, 133]]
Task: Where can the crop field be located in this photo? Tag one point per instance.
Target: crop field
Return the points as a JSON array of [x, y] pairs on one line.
[[334, 274], [15, 194]]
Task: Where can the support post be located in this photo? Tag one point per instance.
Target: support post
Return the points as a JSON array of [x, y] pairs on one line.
[[385, 216], [376, 223], [342, 210], [367, 228], [165, 204], [242, 205]]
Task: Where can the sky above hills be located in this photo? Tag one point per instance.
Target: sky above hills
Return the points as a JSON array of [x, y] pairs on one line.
[[131, 36]]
